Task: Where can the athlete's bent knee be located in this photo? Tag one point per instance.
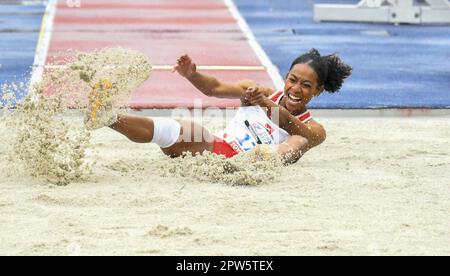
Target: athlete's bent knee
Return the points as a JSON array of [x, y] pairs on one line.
[[166, 132]]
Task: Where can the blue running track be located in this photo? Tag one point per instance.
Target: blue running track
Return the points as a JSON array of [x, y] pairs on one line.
[[19, 32], [394, 66]]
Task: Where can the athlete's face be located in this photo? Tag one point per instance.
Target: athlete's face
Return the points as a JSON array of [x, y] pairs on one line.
[[301, 85]]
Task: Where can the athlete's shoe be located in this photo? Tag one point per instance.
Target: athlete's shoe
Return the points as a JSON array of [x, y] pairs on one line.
[[99, 112]]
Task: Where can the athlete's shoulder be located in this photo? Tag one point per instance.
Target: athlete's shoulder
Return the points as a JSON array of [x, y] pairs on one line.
[[306, 117], [316, 125], [276, 96]]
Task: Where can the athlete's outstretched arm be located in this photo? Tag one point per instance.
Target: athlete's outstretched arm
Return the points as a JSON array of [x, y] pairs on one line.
[[312, 131], [209, 85]]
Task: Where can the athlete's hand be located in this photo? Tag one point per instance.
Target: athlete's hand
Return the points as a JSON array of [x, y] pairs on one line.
[[254, 96], [185, 67]]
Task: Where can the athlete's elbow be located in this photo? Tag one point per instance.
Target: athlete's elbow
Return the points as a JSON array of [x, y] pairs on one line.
[[323, 137], [217, 92], [208, 93], [213, 92], [317, 140]]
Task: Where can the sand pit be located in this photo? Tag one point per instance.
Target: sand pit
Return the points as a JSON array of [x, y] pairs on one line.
[[376, 187], [40, 141]]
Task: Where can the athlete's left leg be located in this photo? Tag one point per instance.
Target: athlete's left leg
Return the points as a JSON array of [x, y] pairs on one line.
[[174, 137]]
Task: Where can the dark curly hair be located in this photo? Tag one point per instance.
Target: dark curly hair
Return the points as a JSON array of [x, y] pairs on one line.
[[331, 70]]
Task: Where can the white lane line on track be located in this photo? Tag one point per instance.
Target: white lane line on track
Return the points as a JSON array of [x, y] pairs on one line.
[[272, 70], [202, 67], [44, 42]]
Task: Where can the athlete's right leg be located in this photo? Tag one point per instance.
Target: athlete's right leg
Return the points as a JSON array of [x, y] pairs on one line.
[[138, 129], [173, 137]]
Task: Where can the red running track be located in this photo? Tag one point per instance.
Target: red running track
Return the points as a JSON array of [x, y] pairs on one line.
[[163, 30]]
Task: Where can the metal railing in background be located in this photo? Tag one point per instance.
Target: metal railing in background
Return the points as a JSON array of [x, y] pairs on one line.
[[387, 11]]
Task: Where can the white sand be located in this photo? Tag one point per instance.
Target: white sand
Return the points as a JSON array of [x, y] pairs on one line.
[[376, 187]]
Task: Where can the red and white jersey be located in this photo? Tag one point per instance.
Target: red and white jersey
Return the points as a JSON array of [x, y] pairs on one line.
[[278, 96], [251, 126]]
